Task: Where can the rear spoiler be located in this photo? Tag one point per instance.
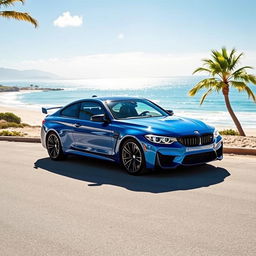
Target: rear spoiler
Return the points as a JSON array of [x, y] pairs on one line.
[[45, 110]]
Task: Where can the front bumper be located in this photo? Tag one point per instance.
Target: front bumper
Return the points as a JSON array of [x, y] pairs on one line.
[[176, 154]]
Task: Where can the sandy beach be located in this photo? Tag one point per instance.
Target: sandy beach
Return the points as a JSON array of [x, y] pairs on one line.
[[29, 116]]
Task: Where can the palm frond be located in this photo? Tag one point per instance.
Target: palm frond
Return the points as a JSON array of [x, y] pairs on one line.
[[205, 95], [213, 66], [8, 3], [221, 59], [201, 69], [19, 16], [231, 55], [241, 70], [244, 76], [235, 61], [250, 93], [205, 83], [224, 52], [241, 86], [252, 78], [215, 54]]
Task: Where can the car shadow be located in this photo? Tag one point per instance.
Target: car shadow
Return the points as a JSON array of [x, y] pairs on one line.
[[98, 173]]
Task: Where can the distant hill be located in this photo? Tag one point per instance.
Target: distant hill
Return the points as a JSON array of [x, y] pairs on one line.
[[13, 74]]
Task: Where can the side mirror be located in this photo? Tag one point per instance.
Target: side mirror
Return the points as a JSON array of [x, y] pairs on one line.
[[170, 112], [99, 118]]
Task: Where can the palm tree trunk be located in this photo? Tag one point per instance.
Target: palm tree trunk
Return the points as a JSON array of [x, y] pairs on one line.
[[225, 91]]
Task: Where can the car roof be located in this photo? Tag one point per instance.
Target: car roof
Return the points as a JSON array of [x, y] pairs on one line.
[[116, 98], [103, 99]]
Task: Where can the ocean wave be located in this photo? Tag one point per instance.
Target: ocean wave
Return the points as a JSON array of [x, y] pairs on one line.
[[221, 118], [171, 93]]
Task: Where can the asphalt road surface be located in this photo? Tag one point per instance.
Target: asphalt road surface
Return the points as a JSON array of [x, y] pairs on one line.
[[89, 207]]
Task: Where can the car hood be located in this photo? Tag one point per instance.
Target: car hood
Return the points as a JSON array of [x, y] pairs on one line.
[[171, 125]]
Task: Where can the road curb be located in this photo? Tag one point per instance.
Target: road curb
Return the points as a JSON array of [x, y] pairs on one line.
[[237, 151], [20, 139], [240, 151]]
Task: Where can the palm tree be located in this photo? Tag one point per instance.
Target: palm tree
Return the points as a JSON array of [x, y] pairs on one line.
[[221, 68], [16, 15]]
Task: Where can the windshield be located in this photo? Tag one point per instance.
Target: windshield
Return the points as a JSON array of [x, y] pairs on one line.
[[127, 109]]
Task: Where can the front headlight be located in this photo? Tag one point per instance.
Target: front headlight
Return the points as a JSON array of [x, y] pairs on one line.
[[160, 139], [216, 133]]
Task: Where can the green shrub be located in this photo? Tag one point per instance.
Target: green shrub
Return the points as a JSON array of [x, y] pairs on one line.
[[10, 117], [229, 132], [10, 133], [10, 124]]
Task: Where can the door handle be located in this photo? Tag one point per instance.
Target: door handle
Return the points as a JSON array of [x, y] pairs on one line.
[[77, 125]]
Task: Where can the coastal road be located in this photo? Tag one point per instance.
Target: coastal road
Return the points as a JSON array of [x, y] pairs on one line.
[[89, 207]]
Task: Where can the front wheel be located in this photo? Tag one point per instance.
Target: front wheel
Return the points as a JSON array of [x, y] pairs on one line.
[[132, 157], [53, 146]]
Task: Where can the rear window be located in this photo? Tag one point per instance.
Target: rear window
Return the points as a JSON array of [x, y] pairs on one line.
[[71, 111]]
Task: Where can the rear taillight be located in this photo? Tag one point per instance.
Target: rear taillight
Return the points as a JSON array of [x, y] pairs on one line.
[[43, 122]]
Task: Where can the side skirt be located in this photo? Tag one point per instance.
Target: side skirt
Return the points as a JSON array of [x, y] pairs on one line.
[[86, 153]]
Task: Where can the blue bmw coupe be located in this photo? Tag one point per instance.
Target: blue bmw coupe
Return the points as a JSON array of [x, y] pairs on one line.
[[134, 132]]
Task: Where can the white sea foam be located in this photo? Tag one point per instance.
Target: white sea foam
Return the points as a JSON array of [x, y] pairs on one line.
[[11, 99], [221, 118]]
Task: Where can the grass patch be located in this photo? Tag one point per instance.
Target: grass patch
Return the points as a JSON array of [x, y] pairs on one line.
[[11, 133], [27, 125], [4, 125], [229, 132]]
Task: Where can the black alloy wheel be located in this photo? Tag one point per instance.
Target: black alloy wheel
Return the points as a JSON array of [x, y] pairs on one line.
[[132, 157], [54, 147]]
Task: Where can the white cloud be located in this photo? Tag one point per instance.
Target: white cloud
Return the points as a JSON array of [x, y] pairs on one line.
[[66, 20], [126, 64], [120, 36]]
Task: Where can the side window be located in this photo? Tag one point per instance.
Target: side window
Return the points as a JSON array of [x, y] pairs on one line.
[[71, 111], [89, 109]]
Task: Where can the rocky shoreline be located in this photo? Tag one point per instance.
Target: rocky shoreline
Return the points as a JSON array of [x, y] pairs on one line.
[[27, 88]]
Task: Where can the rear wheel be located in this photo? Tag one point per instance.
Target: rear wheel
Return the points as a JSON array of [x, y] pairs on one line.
[[53, 146], [132, 157]]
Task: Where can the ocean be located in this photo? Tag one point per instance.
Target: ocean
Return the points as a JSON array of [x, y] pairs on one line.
[[169, 92]]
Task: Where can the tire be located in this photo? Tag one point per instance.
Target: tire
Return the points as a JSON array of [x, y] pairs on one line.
[[132, 157], [54, 148]]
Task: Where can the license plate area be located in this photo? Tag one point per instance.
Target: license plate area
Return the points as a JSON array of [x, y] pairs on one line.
[[198, 148]]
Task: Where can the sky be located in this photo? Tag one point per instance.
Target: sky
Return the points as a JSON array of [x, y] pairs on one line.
[[123, 38]]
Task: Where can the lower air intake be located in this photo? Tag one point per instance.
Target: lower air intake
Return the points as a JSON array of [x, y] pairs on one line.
[[200, 158]]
